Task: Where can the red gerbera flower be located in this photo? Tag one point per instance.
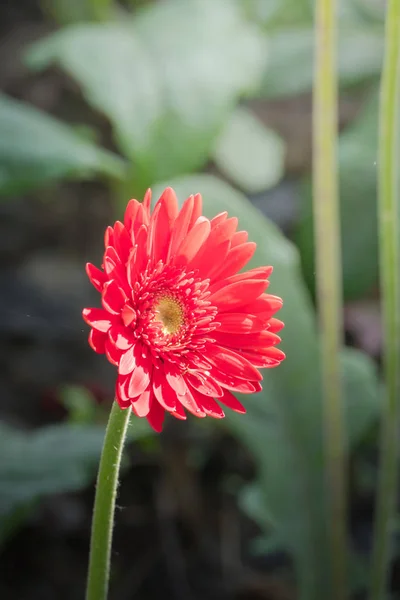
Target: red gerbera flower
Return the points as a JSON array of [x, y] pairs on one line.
[[181, 324]]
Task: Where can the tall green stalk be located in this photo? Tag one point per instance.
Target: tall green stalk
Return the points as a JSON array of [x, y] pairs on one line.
[[388, 218], [104, 504], [329, 283]]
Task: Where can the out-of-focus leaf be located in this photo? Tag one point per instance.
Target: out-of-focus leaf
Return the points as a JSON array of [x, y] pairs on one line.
[[282, 427], [252, 502], [51, 460], [66, 12], [291, 51], [166, 80], [36, 148], [362, 391], [248, 153], [81, 405], [276, 13], [358, 173], [371, 9]]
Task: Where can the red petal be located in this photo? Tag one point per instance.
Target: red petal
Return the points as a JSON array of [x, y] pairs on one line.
[[112, 353], [179, 412], [240, 237], [214, 250], [237, 258], [235, 295], [127, 362], [156, 415], [275, 325], [175, 379], [122, 241], [210, 407], [121, 392], [264, 307], [110, 260], [261, 273], [142, 218], [231, 362], [97, 340], [164, 215], [128, 315], [220, 218], [232, 402], [233, 383], [109, 236], [239, 323], [250, 341], [257, 273], [141, 257], [192, 243], [211, 260], [147, 201], [115, 269], [98, 318], [265, 360], [141, 405], [197, 210], [121, 337], [180, 227], [97, 278], [188, 401], [130, 214], [140, 378], [204, 385], [122, 403], [165, 395], [131, 267], [113, 297]]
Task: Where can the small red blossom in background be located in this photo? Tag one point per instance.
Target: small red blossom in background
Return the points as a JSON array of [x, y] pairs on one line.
[[180, 322]]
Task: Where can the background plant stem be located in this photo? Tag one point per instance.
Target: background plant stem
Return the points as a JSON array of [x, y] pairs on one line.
[[388, 218], [104, 505], [329, 283]]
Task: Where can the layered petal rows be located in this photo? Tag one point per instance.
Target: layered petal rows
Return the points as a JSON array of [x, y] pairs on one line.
[[183, 326]]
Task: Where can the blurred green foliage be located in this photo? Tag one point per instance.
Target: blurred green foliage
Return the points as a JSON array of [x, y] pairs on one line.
[[50, 460], [172, 78], [37, 149]]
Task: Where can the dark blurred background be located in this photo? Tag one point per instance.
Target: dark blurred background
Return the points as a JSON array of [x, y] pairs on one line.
[[100, 100]]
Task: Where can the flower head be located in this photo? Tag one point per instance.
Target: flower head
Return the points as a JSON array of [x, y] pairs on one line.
[[184, 327]]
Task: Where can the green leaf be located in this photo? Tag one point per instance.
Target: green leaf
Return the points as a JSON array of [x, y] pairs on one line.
[[370, 10], [291, 51], [166, 80], [248, 153], [358, 189], [35, 149], [66, 12], [276, 13], [80, 404], [54, 459], [362, 391], [283, 425]]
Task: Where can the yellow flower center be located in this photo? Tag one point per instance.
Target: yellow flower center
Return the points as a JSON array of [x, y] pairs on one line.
[[169, 313]]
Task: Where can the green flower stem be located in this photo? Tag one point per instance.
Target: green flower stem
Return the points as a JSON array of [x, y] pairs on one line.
[[329, 283], [104, 504], [388, 217]]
